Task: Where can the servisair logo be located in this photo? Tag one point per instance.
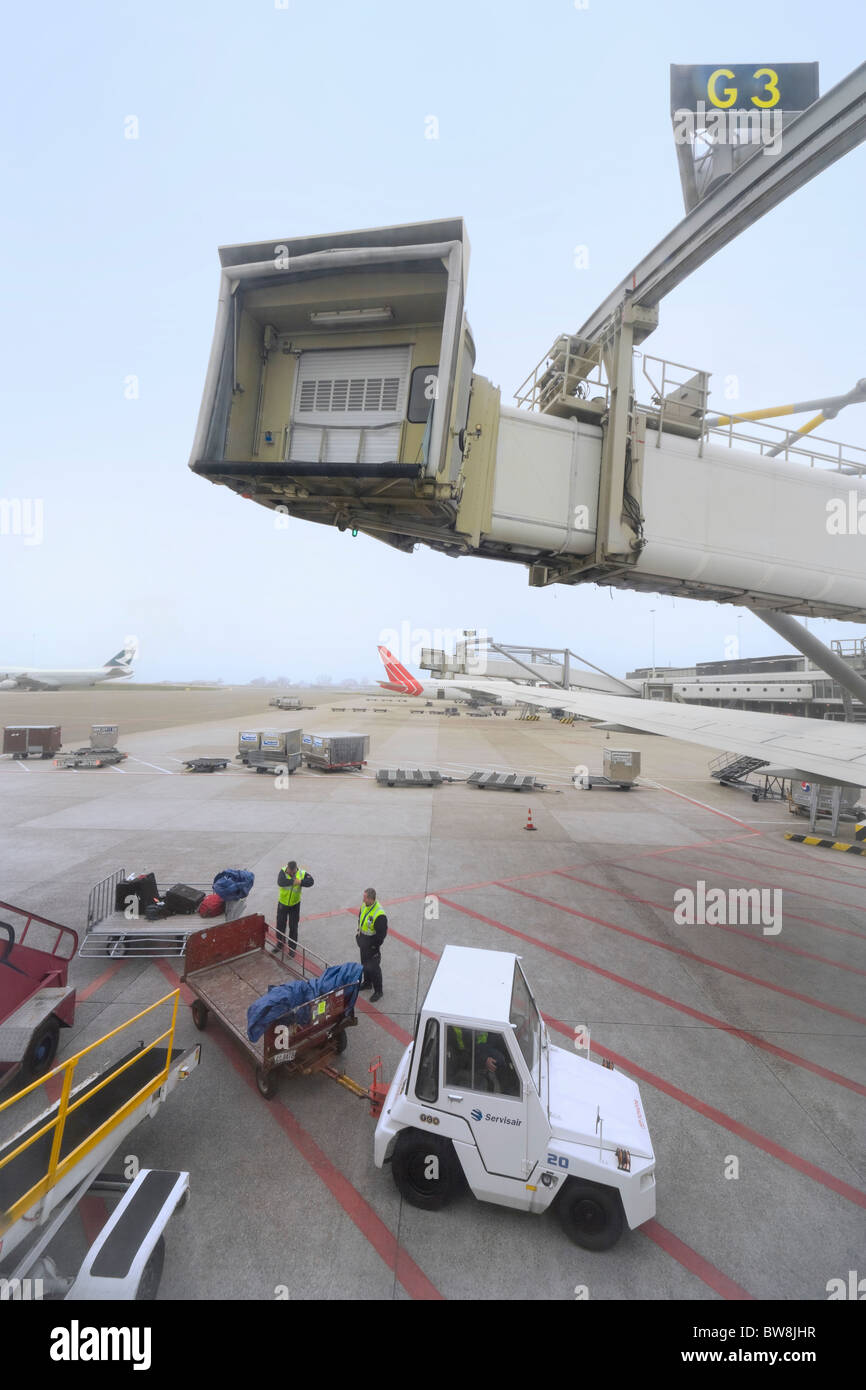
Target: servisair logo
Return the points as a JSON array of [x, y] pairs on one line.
[[479, 1115]]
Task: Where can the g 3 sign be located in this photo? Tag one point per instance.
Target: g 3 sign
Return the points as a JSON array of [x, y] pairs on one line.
[[753, 86]]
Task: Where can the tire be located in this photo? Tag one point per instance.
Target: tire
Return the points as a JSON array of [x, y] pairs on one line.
[[266, 1082], [591, 1215], [755, 796], [151, 1274], [43, 1047], [342, 1042], [410, 1165], [199, 1015]]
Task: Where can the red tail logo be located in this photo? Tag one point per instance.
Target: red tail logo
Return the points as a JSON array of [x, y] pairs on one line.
[[399, 678]]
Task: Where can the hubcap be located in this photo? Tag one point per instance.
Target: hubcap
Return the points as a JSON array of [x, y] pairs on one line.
[[589, 1216]]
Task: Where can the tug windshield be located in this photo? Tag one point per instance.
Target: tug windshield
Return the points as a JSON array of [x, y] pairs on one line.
[[523, 1017]]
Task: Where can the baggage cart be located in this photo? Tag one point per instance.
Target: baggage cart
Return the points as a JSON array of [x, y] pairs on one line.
[[118, 927], [265, 762], [31, 740], [90, 757], [228, 967], [35, 1000], [205, 764]]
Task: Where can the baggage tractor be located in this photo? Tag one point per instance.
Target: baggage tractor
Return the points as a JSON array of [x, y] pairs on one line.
[[183, 899], [140, 886]]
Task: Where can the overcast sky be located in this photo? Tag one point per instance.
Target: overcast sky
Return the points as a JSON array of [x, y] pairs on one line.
[[257, 121]]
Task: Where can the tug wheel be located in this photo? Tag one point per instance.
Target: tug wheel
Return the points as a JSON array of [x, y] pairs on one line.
[[151, 1274], [591, 1215], [425, 1169]]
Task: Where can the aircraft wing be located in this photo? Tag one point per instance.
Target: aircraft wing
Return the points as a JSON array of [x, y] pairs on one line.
[[821, 749]]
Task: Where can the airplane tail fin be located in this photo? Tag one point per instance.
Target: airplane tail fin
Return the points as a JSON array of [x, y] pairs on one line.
[[127, 654], [398, 677]]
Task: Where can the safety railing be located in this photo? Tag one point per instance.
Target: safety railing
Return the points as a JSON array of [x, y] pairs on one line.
[[57, 1166], [65, 938], [100, 902], [569, 380]]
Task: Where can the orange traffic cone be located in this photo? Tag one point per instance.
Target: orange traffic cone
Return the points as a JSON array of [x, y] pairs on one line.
[[529, 825]]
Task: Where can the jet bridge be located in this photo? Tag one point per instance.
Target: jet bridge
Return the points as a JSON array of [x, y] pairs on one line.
[[341, 390]]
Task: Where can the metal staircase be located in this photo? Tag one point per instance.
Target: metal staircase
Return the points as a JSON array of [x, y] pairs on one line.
[[733, 768]]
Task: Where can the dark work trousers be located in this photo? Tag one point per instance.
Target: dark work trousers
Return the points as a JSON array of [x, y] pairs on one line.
[[372, 963], [291, 915]]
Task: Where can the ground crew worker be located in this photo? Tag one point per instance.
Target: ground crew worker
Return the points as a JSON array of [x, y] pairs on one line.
[[290, 881], [372, 930]]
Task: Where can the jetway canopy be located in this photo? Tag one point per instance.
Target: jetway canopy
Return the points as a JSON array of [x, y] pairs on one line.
[[341, 388]]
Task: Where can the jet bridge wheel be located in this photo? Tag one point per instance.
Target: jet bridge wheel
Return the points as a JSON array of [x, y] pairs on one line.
[[590, 1215], [425, 1169], [151, 1274]]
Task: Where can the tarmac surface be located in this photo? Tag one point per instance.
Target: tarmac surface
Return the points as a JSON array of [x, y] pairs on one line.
[[748, 1040]]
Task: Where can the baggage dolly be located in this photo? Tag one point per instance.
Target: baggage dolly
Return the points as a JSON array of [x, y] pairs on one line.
[[228, 967]]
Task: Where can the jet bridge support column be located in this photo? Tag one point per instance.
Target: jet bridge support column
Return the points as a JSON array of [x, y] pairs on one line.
[[812, 647]]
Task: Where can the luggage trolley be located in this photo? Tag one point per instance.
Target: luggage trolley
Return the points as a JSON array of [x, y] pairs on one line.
[[110, 931], [229, 967]]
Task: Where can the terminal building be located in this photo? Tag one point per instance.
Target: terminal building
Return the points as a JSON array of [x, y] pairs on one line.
[[785, 684]]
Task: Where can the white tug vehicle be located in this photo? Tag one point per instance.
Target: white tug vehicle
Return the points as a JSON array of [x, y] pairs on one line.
[[482, 1094]]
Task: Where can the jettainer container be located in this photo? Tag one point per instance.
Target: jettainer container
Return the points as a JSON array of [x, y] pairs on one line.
[[336, 750]]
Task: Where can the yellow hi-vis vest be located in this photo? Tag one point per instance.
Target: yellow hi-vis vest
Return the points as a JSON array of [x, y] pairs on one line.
[[367, 916], [290, 896]]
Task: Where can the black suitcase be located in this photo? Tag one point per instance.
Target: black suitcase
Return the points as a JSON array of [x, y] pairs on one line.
[[154, 912], [140, 886], [182, 898]]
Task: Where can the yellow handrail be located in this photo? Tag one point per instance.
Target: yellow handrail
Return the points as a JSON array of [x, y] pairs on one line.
[[58, 1167]]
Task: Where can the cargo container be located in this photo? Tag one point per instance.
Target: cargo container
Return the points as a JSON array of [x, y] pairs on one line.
[[333, 750], [280, 743], [621, 764], [286, 702], [248, 742], [103, 735], [31, 740]]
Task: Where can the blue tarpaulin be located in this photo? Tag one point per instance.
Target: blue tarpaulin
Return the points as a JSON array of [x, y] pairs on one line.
[[280, 1000], [233, 883]]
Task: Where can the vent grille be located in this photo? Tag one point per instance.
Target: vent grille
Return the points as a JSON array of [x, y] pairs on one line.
[[335, 396]]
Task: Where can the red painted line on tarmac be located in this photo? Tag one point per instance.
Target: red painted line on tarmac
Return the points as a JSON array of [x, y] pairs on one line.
[[371, 1226], [708, 1019], [382, 1019], [689, 955], [802, 893], [695, 844], [772, 941], [85, 993], [715, 869], [790, 860], [693, 1262]]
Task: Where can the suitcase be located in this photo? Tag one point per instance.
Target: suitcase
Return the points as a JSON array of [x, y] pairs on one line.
[[140, 886], [154, 912], [182, 898], [212, 906]]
